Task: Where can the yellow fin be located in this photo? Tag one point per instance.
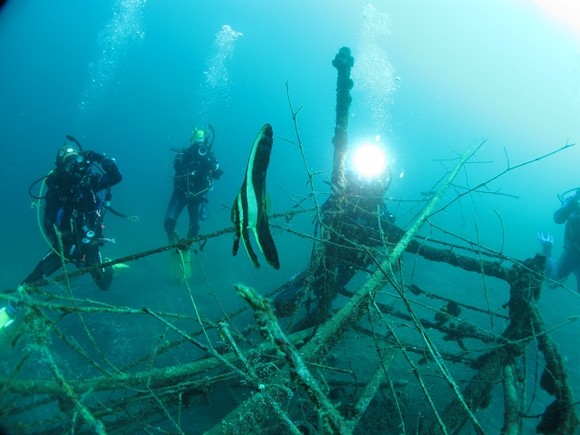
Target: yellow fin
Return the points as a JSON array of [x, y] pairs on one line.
[[180, 265]]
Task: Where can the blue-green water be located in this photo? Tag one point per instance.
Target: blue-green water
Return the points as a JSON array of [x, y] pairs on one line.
[[132, 78]]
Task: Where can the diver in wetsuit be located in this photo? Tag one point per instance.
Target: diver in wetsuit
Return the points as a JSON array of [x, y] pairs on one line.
[[569, 260], [195, 170], [73, 216]]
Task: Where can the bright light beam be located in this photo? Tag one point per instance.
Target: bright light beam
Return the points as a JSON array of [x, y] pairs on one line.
[[369, 161]]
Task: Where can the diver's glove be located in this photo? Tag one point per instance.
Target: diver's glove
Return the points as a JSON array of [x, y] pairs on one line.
[[7, 315], [93, 156], [547, 242], [217, 173]]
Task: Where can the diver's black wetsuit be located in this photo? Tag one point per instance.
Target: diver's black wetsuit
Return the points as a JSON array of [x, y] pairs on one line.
[[75, 208], [195, 169], [569, 261]]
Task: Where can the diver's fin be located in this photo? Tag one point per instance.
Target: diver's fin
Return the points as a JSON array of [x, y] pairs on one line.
[[186, 264], [175, 266], [180, 265], [120, 268], [249, 209], [5, 319], [117, 267]]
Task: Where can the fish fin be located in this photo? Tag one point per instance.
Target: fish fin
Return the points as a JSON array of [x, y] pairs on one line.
[[266, 242], [236, 220], [236, 246], [249, 249]]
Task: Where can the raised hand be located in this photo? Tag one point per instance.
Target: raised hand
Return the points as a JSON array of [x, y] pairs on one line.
[[547, 241]]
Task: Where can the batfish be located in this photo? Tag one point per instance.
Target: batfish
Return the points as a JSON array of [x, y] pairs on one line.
[[249, 211]]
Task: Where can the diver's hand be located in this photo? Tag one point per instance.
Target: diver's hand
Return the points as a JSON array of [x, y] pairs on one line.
[[217, 174], [547, 241], [93, 156]]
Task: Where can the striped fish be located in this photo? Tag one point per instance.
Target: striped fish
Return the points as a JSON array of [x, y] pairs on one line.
[[249, 210]]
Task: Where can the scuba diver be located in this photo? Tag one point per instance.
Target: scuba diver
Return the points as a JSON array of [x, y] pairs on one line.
[[195, 170], [569, 261], [352, 216], [77, 196]]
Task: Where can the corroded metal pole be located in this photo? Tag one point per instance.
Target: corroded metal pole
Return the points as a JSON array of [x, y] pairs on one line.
[[343, 62]]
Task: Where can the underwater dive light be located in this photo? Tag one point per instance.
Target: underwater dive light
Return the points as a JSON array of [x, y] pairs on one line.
[[369, 161]]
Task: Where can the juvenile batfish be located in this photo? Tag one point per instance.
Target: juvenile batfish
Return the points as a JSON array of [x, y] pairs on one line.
[[249, 209]]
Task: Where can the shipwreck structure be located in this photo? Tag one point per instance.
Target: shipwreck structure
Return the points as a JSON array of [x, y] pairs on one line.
[[383, 356]]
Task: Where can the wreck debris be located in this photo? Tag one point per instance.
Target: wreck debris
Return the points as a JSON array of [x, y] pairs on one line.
[[337, 377]]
